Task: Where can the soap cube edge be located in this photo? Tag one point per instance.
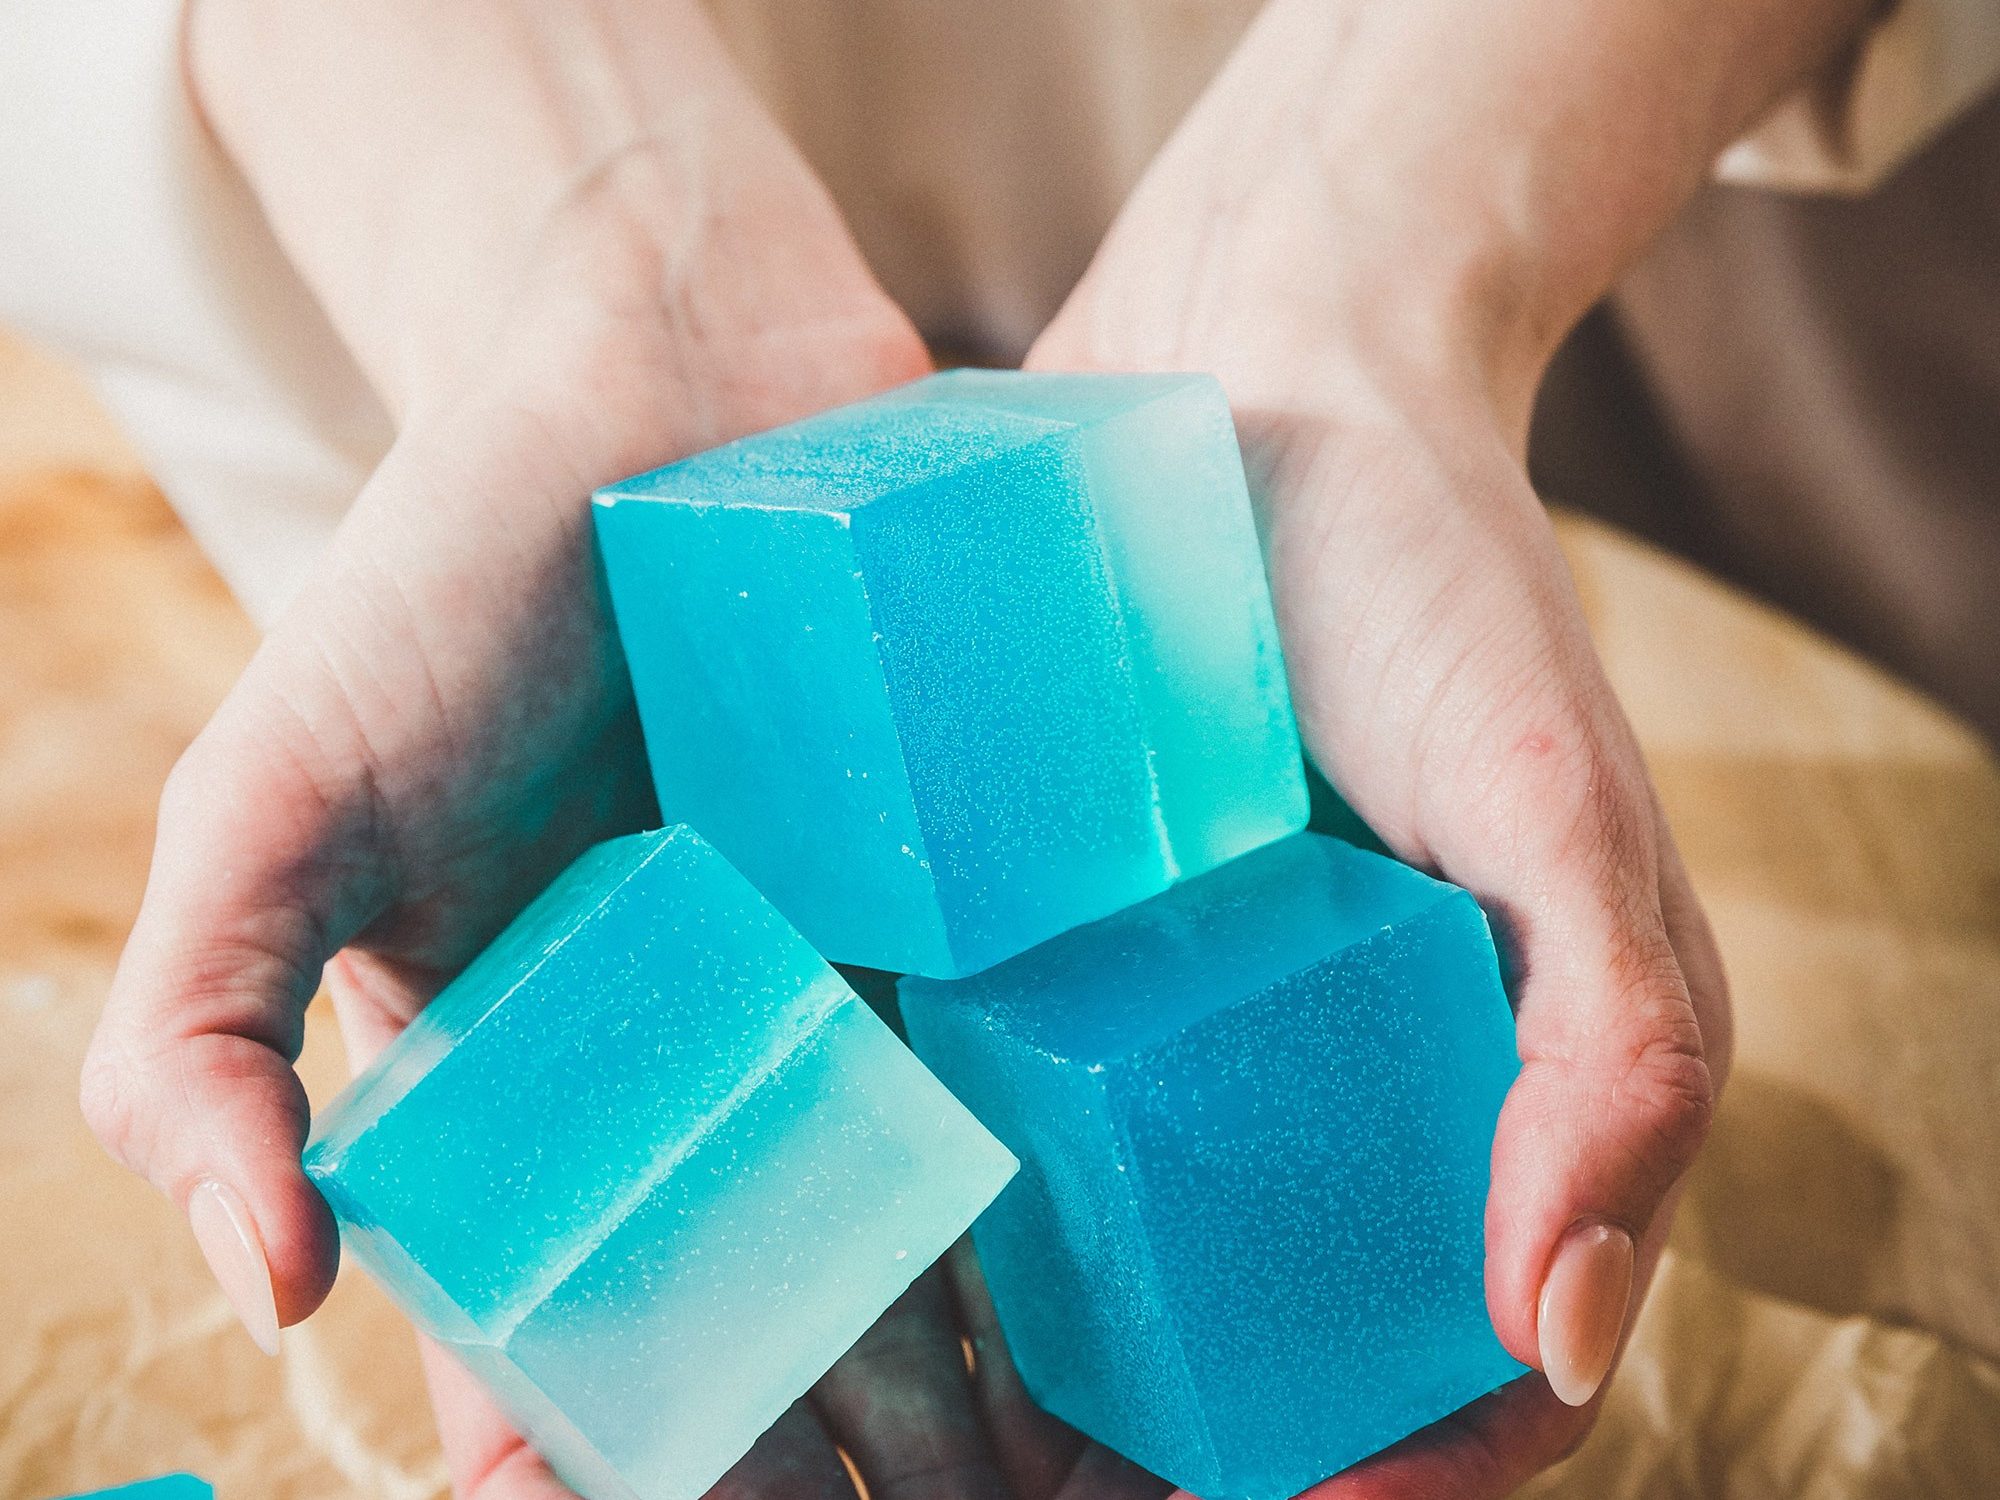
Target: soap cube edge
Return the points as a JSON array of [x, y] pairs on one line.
[[981, 1168], [944, 1015], [1205, 803]]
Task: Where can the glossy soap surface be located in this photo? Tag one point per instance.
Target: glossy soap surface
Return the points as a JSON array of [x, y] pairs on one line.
[[947, 672], [1254, 1117], [648, 1167], [166, 1487]]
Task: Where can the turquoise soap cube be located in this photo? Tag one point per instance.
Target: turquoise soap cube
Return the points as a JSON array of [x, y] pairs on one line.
[[648, 1167], [1254, 1117], [167, 1487], [950, 671]]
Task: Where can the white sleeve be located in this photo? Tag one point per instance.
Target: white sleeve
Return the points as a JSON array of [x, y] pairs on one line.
[[1917, 68], [128, 241]]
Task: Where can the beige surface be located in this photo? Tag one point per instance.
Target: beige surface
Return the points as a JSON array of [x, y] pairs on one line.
[[1829, 1320], [1835, 1282]]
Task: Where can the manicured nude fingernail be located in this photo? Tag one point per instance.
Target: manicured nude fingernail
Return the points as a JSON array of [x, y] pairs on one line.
[[228, 1238], [1583, 1309]]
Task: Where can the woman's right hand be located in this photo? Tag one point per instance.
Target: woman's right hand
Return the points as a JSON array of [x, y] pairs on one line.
[[565, 245]]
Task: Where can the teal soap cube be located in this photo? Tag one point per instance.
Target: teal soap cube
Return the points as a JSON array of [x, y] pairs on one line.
[[648, 1167], [950, 671], [166, 1487], [1254, 1117]]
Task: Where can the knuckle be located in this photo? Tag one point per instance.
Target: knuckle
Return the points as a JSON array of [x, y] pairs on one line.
[[1646, 1067], [1670, 1087], [1663, 1083], [206, 787], [106, 1096], [1608, 836], [184, 793]]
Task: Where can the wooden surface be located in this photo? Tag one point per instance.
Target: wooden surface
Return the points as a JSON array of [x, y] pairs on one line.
[[117, 1357], [1827, 1323]]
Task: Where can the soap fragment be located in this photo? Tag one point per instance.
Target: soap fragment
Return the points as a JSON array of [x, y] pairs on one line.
[[648, 1167], [166, 1487], [949, 671], [1254, 1117]]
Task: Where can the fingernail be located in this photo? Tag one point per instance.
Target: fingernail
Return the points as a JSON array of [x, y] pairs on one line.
[[1583, 1309], [228, 1238]]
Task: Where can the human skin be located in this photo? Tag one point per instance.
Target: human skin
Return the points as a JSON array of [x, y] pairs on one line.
[[565, 245]]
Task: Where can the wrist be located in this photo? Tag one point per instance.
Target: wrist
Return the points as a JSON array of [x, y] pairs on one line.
[[1431, 193], [1244, 252], [447, 173], [1305, 299]]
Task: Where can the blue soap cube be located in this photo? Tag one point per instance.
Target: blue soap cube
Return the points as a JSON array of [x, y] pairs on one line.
[[648, 1167], [166, 1487], [950, 671], [1254, 1117]]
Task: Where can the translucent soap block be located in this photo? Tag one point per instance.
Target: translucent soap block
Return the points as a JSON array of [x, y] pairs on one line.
[[950, 671], [167, 1487], [648, 1167], [1254, 1117]]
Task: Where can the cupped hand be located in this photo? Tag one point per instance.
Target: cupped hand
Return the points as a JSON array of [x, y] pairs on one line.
[[563, 249], [1380, 339], [1446, 686]]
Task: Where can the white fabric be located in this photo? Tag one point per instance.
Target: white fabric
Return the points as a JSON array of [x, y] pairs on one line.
[[1918, 68], [127, 240]]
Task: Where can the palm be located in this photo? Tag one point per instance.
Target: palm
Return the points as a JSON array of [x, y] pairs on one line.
[[438, 726], [442, 722], [526, 750], [919, 1420], [500, 747], [503, 740], [1445, 682], [445, 712]]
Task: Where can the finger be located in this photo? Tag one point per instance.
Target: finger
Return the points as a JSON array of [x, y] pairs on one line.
[[1480, 1452], [795, 1460], [1693, 941], [1036, 1452], [1041, 1456], [900, 1403], [374, 998], [1615, 1092], [1477, 736], [486, 1458], [189, 1078], [1100, 1474], [1490, 1447]]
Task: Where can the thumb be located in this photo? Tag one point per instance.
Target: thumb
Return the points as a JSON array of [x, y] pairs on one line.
[[189, 1078], [1623, 1034]]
